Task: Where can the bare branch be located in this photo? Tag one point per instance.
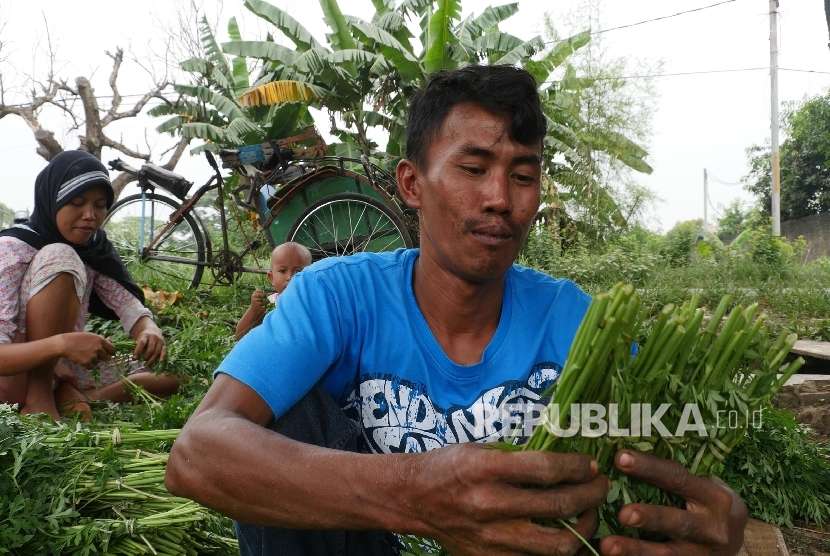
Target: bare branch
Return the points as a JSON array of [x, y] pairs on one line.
[[139, 106], [177, 154], [107, 142], [69, 109], [91, 142], [121, 181], [48, 146], [116, 96]]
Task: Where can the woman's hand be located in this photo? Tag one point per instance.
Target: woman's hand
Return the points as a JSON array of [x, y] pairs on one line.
[[149, 341], [712, 523], [84, 348]]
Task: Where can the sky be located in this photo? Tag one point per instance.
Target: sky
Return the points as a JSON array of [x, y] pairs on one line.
[[701, 120]]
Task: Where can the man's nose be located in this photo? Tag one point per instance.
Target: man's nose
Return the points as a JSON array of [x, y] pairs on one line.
[[497, 194]]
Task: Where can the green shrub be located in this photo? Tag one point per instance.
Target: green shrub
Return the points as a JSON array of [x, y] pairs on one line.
[[768, 250], [541, 248], [679, 243], [780, 472]]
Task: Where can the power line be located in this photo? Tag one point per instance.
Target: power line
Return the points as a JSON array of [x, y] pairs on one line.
[[703, 72], [657, 18], [665, 17], [165, 94], [721, 182], [709, 200]]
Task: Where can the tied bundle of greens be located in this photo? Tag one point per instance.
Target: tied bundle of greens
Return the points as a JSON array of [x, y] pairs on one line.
[[85, 490], [688, 394]]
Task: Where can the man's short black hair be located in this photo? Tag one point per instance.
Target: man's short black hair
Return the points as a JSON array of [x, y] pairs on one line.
[[499, 89]]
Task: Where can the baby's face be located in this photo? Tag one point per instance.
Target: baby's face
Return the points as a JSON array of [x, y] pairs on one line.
[[284, 265]]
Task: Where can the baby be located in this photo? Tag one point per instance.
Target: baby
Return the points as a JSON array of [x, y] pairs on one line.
[[287, 259]]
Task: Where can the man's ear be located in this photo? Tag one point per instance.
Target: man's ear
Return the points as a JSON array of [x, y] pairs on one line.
[[407, 175]]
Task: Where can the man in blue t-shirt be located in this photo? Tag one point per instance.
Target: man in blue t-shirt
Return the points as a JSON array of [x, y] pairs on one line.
[[323, 426]]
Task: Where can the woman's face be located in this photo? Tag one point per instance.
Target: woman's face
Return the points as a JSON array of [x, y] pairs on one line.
[[80, 218]]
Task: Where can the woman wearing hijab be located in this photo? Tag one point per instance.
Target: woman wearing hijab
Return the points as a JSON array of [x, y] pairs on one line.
[[54, 269]]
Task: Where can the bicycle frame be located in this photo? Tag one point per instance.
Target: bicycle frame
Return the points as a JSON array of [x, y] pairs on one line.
[[228, 261], [146, 252], [216, 182]]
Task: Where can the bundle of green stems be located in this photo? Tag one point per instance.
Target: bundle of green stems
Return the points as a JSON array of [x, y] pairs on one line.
[[705, 382]]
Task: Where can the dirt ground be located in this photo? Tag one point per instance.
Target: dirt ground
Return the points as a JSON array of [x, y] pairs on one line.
[[806, 541], [810, 401]]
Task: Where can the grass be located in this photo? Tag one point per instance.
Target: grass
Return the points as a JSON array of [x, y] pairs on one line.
[[199, 329], [795, 296], [199, 334]]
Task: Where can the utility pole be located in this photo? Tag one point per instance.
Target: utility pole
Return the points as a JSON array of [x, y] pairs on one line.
[[705, 201], [773, 78]]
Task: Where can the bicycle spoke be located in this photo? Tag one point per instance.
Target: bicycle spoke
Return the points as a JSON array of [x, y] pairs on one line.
[[348, 225], [365, 244], [181, 240], [354, 230]]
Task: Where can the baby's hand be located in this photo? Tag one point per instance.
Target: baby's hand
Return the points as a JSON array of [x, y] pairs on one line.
[[258, 299]]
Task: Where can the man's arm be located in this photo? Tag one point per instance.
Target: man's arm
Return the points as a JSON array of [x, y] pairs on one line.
[[469, 497]]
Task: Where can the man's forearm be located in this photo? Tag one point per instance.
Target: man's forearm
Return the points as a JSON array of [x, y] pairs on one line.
[[293, 485]]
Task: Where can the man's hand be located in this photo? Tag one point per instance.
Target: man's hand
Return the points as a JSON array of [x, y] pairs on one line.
[[475, 499], [85, 348], [713, 522]]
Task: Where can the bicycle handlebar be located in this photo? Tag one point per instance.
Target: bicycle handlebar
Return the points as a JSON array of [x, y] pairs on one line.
[[120, 166]]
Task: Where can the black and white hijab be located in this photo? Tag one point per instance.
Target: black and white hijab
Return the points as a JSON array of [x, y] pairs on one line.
[[68, 175]]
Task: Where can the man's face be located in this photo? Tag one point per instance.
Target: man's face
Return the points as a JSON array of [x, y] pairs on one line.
[[477, 195]]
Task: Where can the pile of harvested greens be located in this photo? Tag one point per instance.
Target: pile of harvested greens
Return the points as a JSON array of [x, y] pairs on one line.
[[78, 490]]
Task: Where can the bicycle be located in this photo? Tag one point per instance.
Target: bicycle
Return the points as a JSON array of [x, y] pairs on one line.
[[292, 190]]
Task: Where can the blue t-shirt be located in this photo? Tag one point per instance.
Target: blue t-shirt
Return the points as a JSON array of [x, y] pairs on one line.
[[353, 325]]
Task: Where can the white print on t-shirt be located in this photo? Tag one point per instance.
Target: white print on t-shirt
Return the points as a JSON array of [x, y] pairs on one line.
[[397, 416]]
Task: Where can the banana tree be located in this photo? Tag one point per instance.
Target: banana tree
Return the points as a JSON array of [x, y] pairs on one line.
[[370, 69], [210, 108], [573, 145]]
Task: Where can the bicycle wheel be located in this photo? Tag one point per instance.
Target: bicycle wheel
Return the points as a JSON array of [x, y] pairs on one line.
[[182, 245], [347, 223]]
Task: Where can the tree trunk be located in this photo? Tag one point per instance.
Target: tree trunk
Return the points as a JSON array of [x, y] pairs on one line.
[[827, 16]]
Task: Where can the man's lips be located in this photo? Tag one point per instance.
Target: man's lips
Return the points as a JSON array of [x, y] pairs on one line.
[[493, 235]]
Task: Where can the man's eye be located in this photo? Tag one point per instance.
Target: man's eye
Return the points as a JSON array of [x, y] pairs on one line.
[[473, 170], [521, 178]]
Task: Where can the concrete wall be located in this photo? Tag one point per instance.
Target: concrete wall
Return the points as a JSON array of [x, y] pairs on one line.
[[815, 229]]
